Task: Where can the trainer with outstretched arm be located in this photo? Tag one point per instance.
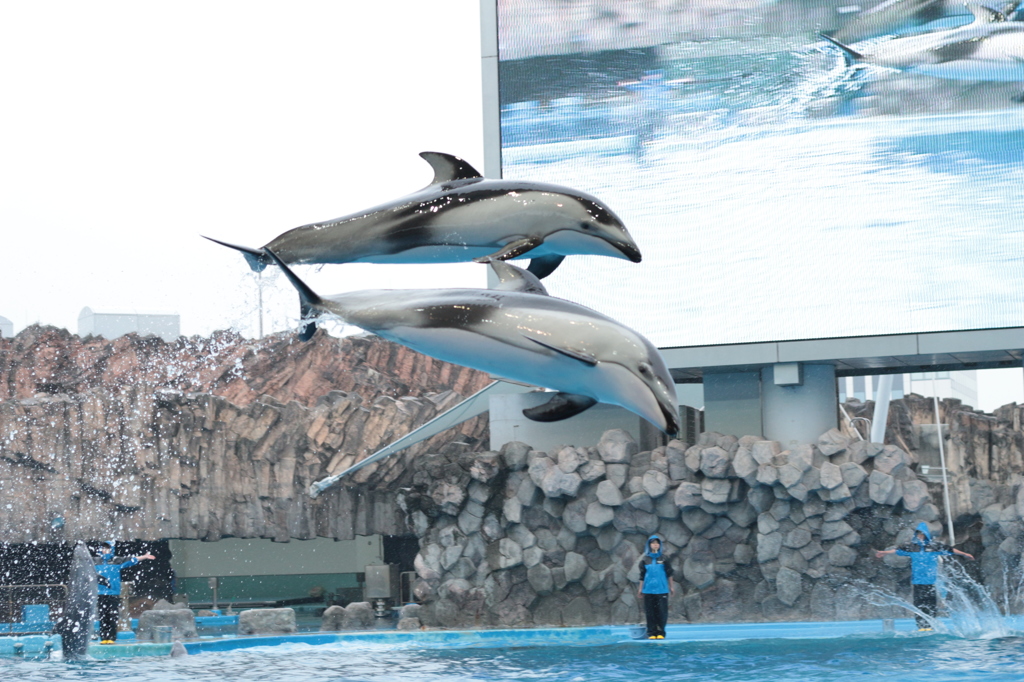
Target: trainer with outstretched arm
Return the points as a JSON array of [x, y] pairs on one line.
[[924, 556]]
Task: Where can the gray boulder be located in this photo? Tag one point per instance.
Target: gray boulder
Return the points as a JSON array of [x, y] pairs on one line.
[[609, 494], [183, 622], [598, 515], [714, 462], [699, 569], [915, 494], [655, 483], [570, 459], [688, 495], [789, 585], [514, 455], [358, 616], [557, 483], [880, 486], [267, 622], [616, 446], [409, 624], [333, 619]]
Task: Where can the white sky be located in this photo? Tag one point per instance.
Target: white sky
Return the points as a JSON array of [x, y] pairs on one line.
[[128, 129], [131, 128]]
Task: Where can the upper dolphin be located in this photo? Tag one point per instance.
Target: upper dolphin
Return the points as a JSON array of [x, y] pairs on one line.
[[988, 49], [461, 216], [526, 337]]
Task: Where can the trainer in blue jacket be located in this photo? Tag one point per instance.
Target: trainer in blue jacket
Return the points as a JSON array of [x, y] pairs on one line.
[[108, 570], [655, 588], [924, 556]]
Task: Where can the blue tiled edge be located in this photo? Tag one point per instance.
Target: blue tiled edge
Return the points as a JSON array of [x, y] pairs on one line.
[[584, 636]]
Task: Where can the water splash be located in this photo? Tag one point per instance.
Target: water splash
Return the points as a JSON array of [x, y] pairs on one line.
[[973, 613], [966, 608]]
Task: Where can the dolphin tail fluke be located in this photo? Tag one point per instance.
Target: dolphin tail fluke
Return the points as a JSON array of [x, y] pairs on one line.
[[308, 299], [545, 265], [849, 55], [561, 406], [256, 259]]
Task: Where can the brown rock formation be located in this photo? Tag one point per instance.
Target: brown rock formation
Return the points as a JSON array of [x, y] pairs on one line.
[[978, 446], [211, 437]]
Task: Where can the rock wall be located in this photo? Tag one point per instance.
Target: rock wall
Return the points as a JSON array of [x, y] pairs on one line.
[[979, 447], [205, 438], [520, 537]]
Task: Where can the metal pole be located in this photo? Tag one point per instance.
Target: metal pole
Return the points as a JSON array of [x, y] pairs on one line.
[[259, 288], [942, 460], [883, 393]]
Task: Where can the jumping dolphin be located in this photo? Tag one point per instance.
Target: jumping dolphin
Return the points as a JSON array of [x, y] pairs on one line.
[[460, 216], [895, 16], [79, 612], [988, 49], [524, 337], [898, 16]]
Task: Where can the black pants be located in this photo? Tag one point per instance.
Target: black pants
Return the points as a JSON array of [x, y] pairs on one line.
[[925, 602], [109, 608], [656, 610]]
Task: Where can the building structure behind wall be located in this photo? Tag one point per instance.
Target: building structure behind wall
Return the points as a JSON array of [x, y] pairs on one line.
[[113, 325], [960, 385]]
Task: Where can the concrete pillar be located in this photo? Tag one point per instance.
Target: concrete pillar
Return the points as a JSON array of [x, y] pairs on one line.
[[798, 401], [732, 403]]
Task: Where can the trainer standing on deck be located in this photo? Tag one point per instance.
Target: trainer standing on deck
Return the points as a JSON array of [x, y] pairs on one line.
[[924, 556], [108, 569], [655, 588]]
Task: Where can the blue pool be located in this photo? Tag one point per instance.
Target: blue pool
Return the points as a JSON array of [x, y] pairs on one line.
[[743, 653]]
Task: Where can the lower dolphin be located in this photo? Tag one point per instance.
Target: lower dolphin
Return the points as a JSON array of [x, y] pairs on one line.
[[75, 622], [524, 337]]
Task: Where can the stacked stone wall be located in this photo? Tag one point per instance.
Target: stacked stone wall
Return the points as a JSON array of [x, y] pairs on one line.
[[757, 532]]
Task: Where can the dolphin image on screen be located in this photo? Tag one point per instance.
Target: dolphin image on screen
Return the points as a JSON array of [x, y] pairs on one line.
[[526, 337], [902, 16], [75, 621], [988, 49], [461, 216]]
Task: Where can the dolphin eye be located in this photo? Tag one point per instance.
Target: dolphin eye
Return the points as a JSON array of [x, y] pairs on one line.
[[646, 369], [586, 226]]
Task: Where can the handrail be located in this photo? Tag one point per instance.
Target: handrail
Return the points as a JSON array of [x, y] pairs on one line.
[[10, 601]]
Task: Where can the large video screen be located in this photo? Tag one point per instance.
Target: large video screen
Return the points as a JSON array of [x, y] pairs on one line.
[[790, 170]]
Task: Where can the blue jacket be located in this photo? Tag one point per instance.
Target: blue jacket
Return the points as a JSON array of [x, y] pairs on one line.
[[109, 570], [924, 557], [654, 570]]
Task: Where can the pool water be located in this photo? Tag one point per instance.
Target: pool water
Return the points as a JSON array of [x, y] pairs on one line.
[[907, 657]]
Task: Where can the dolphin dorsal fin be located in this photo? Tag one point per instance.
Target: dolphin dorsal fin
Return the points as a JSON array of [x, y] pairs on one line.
[[448, 168], [511, 278], [985, 15]]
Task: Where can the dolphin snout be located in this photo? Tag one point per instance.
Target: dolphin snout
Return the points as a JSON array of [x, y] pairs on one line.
[[671, 415], [629, 250]]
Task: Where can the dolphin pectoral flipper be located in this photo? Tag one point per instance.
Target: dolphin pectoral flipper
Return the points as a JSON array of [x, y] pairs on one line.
[[256, 259], [449, 168], [561, 406], [511, 278], [545, 265], [585, 358], [513, 249]]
